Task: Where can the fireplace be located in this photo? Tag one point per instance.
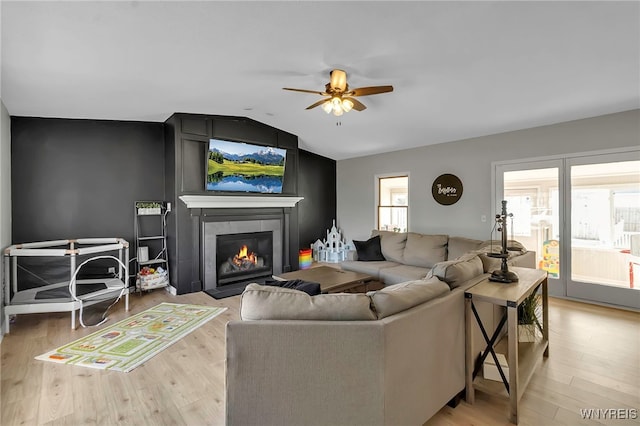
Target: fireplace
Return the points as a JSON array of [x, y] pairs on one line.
[[244, 256], [226, 261]]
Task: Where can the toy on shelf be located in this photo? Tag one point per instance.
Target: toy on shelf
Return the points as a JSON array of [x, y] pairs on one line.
[[333, 249], [150, 278], [305, 258]]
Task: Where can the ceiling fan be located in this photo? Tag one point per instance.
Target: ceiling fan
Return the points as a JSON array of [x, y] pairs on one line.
[[340, 98]]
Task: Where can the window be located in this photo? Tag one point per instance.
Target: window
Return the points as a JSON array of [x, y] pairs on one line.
[[393, 203]]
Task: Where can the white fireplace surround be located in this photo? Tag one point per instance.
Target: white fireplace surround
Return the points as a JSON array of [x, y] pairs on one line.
[[237, 201]]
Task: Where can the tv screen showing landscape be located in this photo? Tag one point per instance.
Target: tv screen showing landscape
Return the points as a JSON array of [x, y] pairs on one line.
[[242, 167]]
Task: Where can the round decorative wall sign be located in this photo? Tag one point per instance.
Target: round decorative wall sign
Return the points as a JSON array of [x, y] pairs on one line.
[[447, 189]]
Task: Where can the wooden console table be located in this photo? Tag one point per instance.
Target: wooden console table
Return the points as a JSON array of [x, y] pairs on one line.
[[522, 358]]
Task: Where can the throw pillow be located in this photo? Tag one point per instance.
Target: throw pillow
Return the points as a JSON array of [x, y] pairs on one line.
[[402, 296], [308, 287], [369, 250], [456, 272], [261, 302], [514, 249]]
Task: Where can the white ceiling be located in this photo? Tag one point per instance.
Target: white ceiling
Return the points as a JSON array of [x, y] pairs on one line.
[[459, 69]]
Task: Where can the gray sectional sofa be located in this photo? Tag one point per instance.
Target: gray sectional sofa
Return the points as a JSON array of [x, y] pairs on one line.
[[394, 356], [411, 256], [331, 359]]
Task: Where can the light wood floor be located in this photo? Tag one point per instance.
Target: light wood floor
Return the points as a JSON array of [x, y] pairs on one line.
[[594, 363]]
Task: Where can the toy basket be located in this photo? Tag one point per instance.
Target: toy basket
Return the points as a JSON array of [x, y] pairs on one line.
[[157, 280]]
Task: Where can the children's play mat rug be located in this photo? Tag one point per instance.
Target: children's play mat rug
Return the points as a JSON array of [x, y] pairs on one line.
[[127, 344]]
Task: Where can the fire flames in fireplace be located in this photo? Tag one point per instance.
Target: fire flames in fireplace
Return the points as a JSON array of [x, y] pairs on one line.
[[244, 259], [243, 256]]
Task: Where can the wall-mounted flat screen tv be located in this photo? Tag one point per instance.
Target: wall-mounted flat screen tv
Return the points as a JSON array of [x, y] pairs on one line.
[[242, 167]]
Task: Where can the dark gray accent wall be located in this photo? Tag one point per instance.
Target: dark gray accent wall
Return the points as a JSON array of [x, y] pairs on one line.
[[80, 178], [317, 184], [76, 178]]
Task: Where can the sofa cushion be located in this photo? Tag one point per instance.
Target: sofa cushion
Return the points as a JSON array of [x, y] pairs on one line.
[[425, 250], [260, 302], [392, 244], [457, 246], [401, 273], [369, 250], [369, 268], [400, 297], [456, 272]]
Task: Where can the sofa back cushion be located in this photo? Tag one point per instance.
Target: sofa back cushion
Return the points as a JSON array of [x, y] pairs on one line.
[[392, 244], [260, 302], [456, 272], [425, 250], [400, 297], [458, 246]]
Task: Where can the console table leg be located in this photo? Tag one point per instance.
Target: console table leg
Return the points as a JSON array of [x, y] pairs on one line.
[[545, 315], [512, 335], [469, 391]]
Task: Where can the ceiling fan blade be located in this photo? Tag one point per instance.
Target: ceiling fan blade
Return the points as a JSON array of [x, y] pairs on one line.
[[357, 105], [320, 102], [338, 80], [315, 92], [373, 90]]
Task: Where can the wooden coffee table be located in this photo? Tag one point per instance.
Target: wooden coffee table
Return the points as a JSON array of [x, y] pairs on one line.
[[333, 280]]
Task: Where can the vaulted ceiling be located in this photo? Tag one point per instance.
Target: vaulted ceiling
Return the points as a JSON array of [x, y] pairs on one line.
[[459, 69]]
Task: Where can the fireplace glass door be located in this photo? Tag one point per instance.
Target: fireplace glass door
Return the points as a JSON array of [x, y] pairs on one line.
[[243, 257]]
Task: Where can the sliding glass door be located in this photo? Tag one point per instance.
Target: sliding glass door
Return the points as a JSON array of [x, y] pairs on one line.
[[533, 192], [605, 219], [582, 216]]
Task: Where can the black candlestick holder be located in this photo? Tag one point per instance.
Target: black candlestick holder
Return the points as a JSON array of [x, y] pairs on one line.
[[503, 275]]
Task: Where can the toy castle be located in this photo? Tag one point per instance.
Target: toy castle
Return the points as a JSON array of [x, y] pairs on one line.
[[334, 249]]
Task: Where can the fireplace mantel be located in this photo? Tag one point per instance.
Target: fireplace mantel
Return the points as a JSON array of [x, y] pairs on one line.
[[237, 201]]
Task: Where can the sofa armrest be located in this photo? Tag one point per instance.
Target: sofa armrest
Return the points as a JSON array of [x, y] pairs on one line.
[[304, 372], [526, 260], [352, 255]]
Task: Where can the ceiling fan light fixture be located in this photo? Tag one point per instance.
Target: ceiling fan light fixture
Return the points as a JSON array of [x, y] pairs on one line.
[[336, 103], [341, 99], [347, 105]]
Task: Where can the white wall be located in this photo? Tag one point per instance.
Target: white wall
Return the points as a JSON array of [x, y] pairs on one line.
[[470, 160], [5, 194]]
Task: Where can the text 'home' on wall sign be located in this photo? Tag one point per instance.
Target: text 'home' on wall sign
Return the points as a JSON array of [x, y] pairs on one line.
[[447, 189]]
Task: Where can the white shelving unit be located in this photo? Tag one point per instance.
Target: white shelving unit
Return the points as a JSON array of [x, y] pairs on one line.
[[67, 296], [151, 238]]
